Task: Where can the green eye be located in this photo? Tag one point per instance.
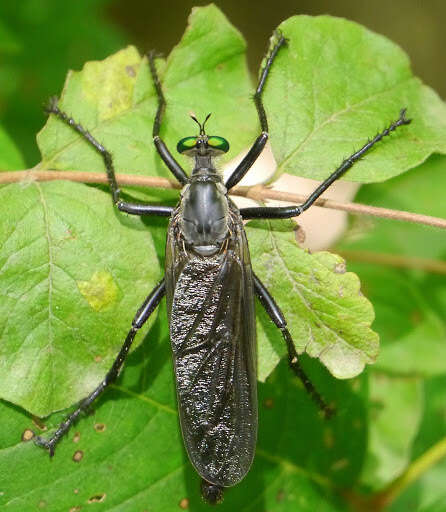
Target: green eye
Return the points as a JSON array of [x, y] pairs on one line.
[[186, 144], [218, 143]]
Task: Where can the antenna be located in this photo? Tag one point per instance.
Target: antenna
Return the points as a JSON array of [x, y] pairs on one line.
[[202, 132]]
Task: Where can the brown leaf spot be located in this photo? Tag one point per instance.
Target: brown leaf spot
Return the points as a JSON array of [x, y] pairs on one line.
[[328, 438], [97, 498], [340, 268], [184, 504], [340, 464], [99, 427], [357, 423], [42, 504], [70, 235], [78, 455], [416, 317], [280, 496], [130, 70], [268, 403], [27, 435], [76, 437], [97, 359], [355, 384], [75, 509]]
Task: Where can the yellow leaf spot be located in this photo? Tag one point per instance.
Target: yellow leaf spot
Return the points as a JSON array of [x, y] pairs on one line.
[[100, 291]]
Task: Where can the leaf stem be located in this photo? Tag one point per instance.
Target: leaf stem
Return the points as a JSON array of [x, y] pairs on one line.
[[419, 466], [258, 193]]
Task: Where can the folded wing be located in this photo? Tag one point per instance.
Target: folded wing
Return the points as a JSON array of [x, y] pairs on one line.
[[212, 330]]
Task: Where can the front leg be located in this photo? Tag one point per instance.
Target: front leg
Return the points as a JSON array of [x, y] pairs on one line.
[[144, 312], [252, 155], [174, 167]]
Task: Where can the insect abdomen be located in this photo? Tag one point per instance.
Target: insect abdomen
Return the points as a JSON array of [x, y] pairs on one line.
[[212, 332]]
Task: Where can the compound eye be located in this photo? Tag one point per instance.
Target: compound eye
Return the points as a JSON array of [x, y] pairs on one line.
[[186, 144], [218, 143]]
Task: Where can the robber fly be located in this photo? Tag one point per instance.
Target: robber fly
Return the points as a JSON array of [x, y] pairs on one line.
[[210, 290]]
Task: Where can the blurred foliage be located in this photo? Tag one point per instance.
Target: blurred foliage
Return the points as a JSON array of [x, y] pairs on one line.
[[39, 41], [128, 455], [408, 395], [418, 27]]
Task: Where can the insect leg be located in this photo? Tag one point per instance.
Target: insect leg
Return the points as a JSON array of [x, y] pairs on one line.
[[161, 147], [139, 320], [277, 317], [132, 208], [285, 212], [252, 155]]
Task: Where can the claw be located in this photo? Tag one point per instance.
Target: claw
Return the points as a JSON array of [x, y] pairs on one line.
[[403, 119], [51, 106], [48, 445], [281, 39], [329, 412], [153, 54]]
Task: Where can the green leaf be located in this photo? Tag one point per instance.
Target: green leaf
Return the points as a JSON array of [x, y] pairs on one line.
[[409, 301], [72, 275], [342, 81], [132, 456], [10, 157], [46, 44], [333, 88], [427, 493], [327, 315], [418, 191], [8, 41], [115, 100], [396, 409]]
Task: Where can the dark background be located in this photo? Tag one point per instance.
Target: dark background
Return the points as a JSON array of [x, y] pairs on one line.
[[41, 39]]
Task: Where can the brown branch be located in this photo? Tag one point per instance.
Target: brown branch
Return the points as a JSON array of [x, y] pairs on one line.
[[258, 193], [394, 260]]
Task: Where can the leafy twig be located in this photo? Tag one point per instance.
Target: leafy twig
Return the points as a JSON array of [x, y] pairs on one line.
[[258, 193], [415, 470], [412, 473]]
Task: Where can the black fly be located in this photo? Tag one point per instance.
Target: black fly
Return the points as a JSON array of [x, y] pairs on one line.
[[210, 290]]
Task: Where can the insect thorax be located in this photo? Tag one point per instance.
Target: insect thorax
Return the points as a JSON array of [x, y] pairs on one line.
[[203, 212]]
